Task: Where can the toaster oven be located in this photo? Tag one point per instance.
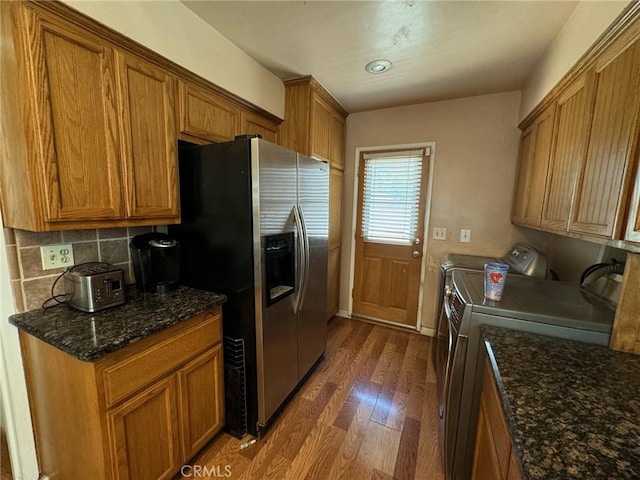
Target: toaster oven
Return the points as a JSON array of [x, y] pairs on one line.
[[94, 287]]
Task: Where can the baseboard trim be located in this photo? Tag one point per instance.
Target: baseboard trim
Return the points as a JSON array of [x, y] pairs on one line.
[[430, 332]]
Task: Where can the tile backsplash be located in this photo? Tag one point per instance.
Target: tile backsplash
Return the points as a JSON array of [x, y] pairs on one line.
[[32, 285]]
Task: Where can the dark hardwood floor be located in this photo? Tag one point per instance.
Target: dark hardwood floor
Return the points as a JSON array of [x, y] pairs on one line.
[[369, 411]]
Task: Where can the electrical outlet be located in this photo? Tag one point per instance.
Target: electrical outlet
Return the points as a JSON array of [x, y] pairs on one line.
[[465, 236], [56, 256], [439, 233]]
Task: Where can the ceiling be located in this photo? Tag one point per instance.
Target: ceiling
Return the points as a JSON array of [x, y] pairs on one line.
[[439, 49]]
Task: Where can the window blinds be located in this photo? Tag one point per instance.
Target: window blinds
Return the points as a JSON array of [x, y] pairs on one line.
[[391, 196]]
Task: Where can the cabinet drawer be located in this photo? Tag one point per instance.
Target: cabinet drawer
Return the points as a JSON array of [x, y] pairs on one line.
[[133, 373]]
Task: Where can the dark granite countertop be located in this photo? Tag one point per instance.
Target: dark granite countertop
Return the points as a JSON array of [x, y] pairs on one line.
[[573, 409], [88, 336]]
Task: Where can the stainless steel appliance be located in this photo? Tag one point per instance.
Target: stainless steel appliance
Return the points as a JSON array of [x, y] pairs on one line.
[[255, 227], [91, 287], [550, 308], [156, 262], [523, 259]]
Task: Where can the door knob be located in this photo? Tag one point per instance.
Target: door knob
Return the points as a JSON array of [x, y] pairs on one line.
[[415, 254]]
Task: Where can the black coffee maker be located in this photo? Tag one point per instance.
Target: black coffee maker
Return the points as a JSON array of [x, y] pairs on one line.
[[156, 262]]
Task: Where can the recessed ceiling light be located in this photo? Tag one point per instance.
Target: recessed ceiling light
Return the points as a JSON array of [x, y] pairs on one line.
[[378, 66]]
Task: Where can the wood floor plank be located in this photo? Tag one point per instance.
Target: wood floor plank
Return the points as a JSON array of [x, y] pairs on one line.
[[349, 376], [305, 421], [326, 456], [429, 463], [362, 390], [385, 406], [308, 452], [395, 417], [351, 444], [338, 359], [408, 450], [338, 425], [378, 475], [383, 365], [415, 403], [379, 450]]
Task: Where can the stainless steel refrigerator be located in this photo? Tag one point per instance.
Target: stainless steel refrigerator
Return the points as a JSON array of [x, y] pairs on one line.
[[255, 227]]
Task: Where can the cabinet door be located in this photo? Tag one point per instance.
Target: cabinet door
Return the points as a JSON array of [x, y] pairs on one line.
[[573, 115], [535, 152], [252, 124], [485, 462], [601, 188], [201, 400], [147, 102], [336, 181], [75, 104], [206, 115], [337, 141], [632, 233], [514, 470], [333, 282], [522, 176], [144, 434], [320, 128]]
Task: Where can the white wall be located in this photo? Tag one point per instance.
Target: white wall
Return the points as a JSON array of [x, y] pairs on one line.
[[15, 404], [474, 170], [175, 32], [589, 20]]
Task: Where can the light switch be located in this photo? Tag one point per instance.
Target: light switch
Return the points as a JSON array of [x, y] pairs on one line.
[[439, 233], [465, 236]]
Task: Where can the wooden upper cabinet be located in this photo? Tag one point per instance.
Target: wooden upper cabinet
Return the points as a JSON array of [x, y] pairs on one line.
[[632, 233], [252, 124], [149, 133], [89, 131], [603, 184], [522, 176], [572, 127], [314, 121], [595, 140], [320, 134], [535, 151], [206, 115], [74, 102], [336, 144]]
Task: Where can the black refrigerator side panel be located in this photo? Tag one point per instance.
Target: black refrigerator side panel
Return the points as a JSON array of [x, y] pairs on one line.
[[216, 236]]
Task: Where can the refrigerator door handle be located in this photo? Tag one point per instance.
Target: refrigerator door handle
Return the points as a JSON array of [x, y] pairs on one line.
[[306, 255], [303, 263]]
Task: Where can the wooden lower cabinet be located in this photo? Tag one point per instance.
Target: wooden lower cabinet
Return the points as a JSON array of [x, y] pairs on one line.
[[494, 457], [144, 434], [140, 412], [202, 413]]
